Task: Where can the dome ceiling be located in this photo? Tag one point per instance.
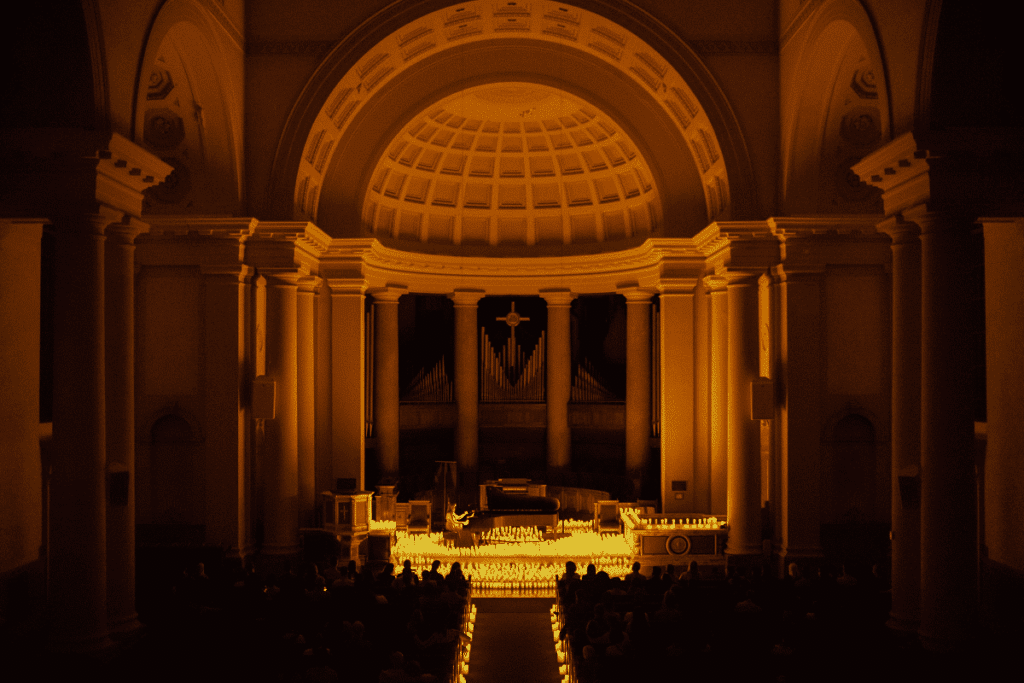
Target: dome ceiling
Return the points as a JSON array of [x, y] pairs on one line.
[[511, 164]]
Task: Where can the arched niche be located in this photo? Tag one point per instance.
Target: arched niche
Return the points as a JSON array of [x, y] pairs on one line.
[[188, 112], [837, 113], [176, 473], [395, 66], [852, 454]]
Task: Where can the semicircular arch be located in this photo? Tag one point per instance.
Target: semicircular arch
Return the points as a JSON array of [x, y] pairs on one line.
[[839, 113], [577, 50], [186, 113]]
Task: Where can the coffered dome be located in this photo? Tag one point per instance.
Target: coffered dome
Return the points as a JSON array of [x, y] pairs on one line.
[[511, 164]]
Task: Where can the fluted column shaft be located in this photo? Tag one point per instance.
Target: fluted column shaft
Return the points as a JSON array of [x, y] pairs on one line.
[[228, 328], [906, 423], [348, 382], [21, 530], [949, 578], [744, 470], [677, 397], [385, 380], [559, 382], [801, 352], [120, 390], [719, 317], [638, 386], [467, 392], [78, 539], [305, 354], [281, 447]]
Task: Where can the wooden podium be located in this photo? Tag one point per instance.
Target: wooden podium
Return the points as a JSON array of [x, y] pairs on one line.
[[347, 515]]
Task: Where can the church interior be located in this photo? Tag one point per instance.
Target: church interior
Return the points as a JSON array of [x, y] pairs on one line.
[[732, 281]]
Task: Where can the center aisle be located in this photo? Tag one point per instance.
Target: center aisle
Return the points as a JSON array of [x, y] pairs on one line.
[[512, 642]]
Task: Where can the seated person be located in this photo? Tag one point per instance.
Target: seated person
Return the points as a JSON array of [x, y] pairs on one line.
[[454, 521]]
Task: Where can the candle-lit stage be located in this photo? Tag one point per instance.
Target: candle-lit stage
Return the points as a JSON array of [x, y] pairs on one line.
[[518, 561], [525, 561]]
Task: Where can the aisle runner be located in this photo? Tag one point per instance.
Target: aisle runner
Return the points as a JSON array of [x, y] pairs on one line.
[[512, 642]]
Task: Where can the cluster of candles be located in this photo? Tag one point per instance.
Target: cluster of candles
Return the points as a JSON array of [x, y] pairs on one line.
[[633, 520], [464, 653], [512, 534], [519, 565], [383, 525], [584, 544], [556, 629]]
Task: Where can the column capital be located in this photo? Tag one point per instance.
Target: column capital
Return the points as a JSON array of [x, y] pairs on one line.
[[804, 272], [286, 278], [103, 218], [635, 294], [343, 286], [238, 272], [467, 297], [389, 294], [737, 277], [715, 283], [309, 284], [557, 297], [900, 230], [125, 231], [927, 220]]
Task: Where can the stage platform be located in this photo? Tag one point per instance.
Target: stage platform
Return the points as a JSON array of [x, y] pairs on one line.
[[518, 561]]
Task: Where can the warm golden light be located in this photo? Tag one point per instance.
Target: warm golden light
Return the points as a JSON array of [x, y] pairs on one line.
[[518, 558]]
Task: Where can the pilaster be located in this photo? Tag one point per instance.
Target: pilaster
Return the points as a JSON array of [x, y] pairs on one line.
[[559, 381], [467, 391], [638, 384], [385, 382]]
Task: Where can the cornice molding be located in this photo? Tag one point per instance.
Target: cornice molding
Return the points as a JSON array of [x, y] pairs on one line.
[[124, 171], [788, 227], [900, 170]]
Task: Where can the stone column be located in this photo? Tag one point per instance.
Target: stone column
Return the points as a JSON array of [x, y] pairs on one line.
[[906, 424], [719, 320], [78, 527], [744, 470], [348, 388], [638, 385], [120, 389], [305, 342], [21, 529], [467, 391], [227, 368], [801, 353], [323, 461], [701, 398], [677, 404], [385, 379], [559, 383], [281, 448], [949, 544]]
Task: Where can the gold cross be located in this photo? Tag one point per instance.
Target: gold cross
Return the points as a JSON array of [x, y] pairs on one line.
[[512, 319]]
